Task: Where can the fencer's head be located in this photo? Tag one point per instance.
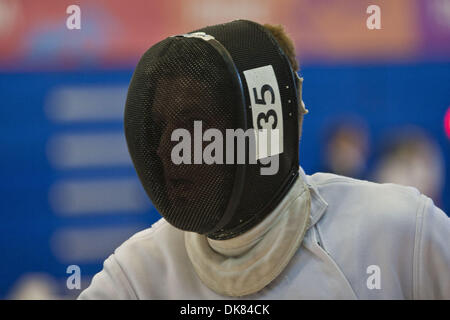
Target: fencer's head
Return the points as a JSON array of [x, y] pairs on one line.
[[186, 93]]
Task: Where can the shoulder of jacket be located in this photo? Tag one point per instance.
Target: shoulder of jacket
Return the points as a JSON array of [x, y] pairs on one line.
[[149, 252], [375, 201], [129, 271], [149, 240], [154, 229], [325, 180]]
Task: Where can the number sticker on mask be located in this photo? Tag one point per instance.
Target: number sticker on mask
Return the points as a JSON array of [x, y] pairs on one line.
[[266, 108]]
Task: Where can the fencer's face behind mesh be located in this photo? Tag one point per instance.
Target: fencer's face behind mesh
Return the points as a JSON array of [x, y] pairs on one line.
[[182, 83], [188, 185]]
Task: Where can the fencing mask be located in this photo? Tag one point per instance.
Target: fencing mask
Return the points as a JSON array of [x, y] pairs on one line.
[[197, 107]]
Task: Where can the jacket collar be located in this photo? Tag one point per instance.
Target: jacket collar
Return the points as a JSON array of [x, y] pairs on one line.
[[318, 203], [237, 245]]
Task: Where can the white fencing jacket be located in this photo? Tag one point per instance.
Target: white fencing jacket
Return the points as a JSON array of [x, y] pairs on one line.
[[363, 241]]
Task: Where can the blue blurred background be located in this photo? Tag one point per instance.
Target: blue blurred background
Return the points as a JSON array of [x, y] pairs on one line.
[[378, 101]]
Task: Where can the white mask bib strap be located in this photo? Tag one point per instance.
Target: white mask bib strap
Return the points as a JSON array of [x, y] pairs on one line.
[[257, 257]]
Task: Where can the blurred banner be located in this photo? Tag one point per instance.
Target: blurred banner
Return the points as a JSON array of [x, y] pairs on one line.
[[115, 33]]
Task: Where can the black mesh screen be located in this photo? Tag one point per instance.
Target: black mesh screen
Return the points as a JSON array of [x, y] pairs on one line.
[[177, 82]]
